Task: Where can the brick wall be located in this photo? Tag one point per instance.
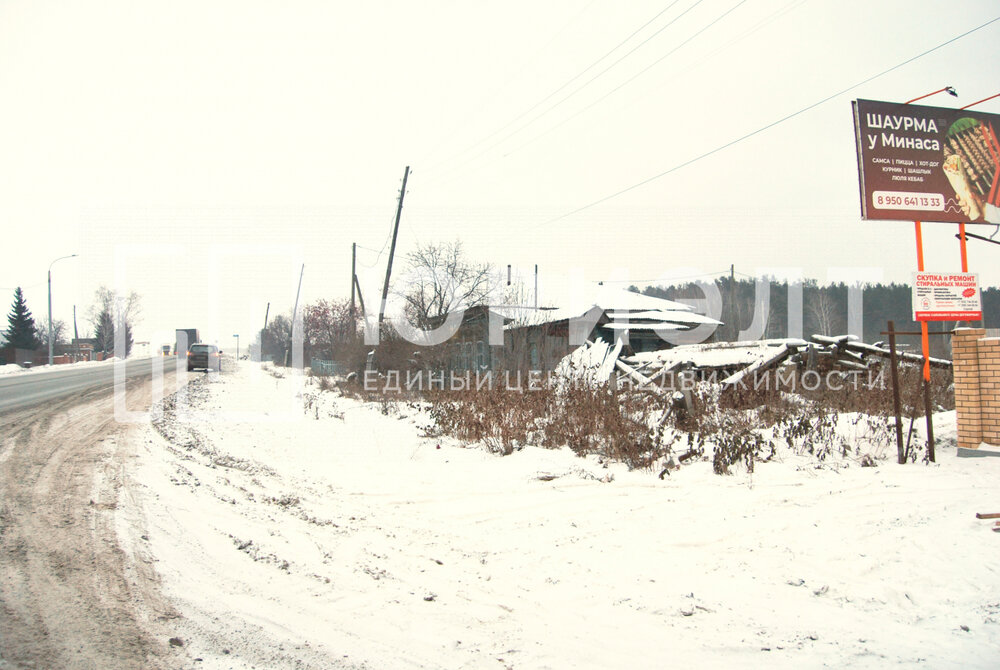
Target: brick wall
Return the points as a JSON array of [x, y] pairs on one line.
[[989, 388], [977, 386]]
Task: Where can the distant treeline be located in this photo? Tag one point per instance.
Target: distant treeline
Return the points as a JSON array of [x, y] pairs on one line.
[[825, 310]]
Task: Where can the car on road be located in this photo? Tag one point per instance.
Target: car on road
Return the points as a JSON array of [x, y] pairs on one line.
[[206, 356]]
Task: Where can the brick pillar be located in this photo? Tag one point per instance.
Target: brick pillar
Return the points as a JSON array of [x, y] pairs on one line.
[[968, 407], [989, 389]]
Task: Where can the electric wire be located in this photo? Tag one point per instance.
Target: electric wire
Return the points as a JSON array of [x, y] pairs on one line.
[[767, 126], [567, 83], [492, 96], [673, 279], [624, 83], [602, 98]]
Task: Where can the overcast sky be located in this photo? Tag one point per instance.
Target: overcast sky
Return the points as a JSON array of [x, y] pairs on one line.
[[203, 151]]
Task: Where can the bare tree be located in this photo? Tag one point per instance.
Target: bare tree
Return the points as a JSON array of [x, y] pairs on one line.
[[110, 311], [442, 280], [328, 326], [277, 338], [823, 310], [58, 331]]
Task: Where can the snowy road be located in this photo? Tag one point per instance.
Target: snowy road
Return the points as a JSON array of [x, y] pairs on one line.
[[69, 597], [31, 387], [296, 528]]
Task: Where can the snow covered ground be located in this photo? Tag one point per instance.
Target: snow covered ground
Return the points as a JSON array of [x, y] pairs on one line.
[[316, 531]]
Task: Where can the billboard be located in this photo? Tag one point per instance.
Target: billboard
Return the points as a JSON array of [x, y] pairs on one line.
[[927, 163], [946, 296]]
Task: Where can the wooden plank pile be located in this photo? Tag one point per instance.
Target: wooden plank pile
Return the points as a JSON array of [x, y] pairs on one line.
[[737, 363]]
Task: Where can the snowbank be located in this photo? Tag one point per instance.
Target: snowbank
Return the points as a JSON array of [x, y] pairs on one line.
[[10, 368], [294, 528]]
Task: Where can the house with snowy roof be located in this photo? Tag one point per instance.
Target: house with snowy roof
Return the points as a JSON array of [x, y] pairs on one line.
[[538, 338]]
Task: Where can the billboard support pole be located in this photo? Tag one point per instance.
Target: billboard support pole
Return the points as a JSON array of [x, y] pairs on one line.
[[926, 347], [924, 340], [965, 256]]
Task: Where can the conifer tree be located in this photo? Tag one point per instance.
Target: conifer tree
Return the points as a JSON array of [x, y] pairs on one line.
[[20, 331]]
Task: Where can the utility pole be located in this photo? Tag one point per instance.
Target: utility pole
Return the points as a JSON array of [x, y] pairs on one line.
[[536, 285], [295, 310], [361, 298], [354, 272], [392, 248], [50, 304], [76, 336], [260, 354], [732, 301]]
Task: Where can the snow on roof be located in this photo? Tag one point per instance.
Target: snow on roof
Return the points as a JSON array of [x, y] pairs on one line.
[[660, 325], [670, 315], [614, 301], [529, 316], [716, 355]]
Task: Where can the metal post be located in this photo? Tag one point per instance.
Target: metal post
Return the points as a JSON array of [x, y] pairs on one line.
[[50, 302], [900, 454], [50, 315], [930, 423]]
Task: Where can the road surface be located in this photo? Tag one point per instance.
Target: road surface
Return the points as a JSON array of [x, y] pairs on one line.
[[72, 594], [20, 390]]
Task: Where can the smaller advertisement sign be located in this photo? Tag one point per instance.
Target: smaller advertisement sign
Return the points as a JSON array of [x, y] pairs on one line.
[[946, 296]]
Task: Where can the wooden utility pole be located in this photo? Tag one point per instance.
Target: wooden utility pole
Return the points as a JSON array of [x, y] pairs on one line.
[[354, 261], [392, 248], [295, 311], [260, 352], [900, 452], [361, 298], [732, 302]]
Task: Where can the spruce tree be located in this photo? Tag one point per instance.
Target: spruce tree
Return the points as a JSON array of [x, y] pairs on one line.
[[20, 331], [104, 332]]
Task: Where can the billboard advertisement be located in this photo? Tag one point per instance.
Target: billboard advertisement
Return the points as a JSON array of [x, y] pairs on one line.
[[919, 163], [946, 296]]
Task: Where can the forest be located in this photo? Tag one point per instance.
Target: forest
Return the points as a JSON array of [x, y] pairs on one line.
[[824, 309]]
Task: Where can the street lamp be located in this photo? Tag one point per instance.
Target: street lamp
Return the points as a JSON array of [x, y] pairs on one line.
[[237, 336], [50, 301]]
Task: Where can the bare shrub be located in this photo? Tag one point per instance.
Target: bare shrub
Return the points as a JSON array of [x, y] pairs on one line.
[[736, 442], [627, 428]]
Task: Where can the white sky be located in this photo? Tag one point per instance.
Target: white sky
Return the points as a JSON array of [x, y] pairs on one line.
[[208, 148]]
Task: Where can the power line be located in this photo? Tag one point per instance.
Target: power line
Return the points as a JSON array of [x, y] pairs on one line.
[[768, 126], [603, 97], [14, 288], [495, 92], [570, 81], [659, 279], [627, 81]]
